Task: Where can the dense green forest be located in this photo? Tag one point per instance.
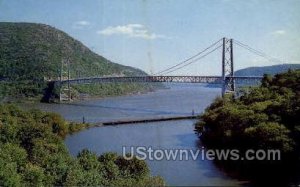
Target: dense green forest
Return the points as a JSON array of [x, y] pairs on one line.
[[31, 54], [32, 153], [266, 117]]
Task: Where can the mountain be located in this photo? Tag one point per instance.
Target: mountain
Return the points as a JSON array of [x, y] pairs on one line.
[[31, 53], [260, 71]]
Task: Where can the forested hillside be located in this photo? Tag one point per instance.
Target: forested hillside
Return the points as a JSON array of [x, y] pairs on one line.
[[32, 153], [32, 53], [266, 117]]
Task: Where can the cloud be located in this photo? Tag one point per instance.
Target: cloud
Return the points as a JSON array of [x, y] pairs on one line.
[[278, 32], [81, 24], [131, 30]]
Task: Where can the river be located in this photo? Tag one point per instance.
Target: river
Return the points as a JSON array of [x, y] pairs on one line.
[[178, 100]]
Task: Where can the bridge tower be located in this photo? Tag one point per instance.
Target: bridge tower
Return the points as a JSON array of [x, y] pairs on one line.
[[65, 90], [227, 67]]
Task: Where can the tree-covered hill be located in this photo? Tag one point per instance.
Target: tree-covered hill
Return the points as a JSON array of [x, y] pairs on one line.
[[35, 51], [265, 118], [32, 153], [31, 53], [271, 70]]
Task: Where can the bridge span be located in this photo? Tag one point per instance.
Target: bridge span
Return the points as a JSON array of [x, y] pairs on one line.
[[225, 81], [227, 78], [175, 79]]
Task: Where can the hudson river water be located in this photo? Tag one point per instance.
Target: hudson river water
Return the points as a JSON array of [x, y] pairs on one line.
[[179, 100]]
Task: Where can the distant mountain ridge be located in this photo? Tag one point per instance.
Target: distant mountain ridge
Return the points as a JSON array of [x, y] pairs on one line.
[[260, 71]]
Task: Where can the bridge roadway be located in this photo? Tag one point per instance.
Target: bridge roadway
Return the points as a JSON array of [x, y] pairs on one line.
[[177, 79]]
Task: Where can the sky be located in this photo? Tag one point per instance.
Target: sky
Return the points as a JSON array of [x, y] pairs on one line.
[[155, 34]]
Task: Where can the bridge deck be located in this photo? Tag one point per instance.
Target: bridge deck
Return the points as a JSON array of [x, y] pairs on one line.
[[178, 79]]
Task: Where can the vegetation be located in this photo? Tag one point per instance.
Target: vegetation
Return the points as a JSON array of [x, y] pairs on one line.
[[114, 89], [266, 117], [32, 153], [31, 54]]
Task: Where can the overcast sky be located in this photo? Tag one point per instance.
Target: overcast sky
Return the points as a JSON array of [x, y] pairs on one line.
[[155, 34]]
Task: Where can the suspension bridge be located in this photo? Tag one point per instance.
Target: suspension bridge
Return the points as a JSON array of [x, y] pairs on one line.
[[227, 79]]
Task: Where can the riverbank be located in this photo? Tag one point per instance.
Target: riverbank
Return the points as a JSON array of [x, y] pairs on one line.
[[88, 92], [33, 154], [264, 118], [90, 97]]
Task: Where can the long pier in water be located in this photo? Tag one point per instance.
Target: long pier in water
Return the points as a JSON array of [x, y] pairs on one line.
[[124, 122]]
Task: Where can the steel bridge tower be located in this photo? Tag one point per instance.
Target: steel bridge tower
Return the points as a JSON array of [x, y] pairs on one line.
[[65, 90], [227, 67]]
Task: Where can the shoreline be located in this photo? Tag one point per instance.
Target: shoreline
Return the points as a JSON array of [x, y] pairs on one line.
[[95, 97], [37, 99]]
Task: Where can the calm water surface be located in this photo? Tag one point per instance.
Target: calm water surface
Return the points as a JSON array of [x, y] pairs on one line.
[[178, 100]]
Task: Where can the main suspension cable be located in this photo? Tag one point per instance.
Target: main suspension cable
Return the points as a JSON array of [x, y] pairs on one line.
[[257, 52], [195, 60], [185, 61]]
